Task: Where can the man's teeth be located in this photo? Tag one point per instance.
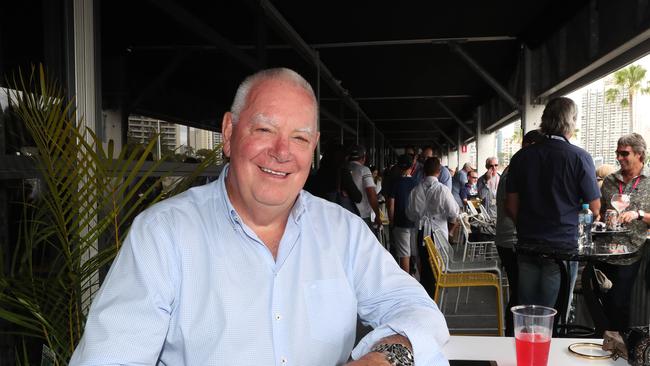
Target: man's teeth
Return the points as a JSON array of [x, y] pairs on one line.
[[266, 170]]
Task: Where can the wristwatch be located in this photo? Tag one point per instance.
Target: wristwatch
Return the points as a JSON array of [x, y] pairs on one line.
[[396, 354], [641, 214]]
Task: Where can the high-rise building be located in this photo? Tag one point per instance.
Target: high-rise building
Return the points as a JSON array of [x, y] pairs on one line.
[[602, 123], [217, 138], [142, 129]]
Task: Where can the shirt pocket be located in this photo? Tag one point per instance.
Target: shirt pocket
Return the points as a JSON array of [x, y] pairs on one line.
[[331, 309]]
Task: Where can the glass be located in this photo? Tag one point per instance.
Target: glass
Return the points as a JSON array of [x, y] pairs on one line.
[[622, 153], [620, 202], [533, 331], [611, 219]]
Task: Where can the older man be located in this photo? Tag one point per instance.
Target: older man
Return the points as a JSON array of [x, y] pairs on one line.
[[546, 184], [458, 182], [251, 270], [487, 186], [630, 179]]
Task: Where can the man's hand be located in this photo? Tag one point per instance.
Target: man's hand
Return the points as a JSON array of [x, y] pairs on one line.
[[628, 216], [613, 342], [371, 359], [378, 222]]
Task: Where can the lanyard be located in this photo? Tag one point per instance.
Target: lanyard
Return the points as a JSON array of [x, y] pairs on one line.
[[636, 183], [557, 137]]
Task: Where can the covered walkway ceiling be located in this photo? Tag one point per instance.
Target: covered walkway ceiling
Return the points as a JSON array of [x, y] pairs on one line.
[[417, 71]]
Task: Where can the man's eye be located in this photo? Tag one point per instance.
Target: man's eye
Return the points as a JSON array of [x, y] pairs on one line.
[[263, 129], [301, 138]]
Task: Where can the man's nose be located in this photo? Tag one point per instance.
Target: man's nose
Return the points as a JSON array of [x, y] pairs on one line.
[[280, 149]]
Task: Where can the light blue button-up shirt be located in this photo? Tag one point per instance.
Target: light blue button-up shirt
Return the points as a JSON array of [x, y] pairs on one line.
[[193, 285]]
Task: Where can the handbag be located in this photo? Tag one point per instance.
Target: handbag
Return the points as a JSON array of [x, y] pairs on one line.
[[603, 282]]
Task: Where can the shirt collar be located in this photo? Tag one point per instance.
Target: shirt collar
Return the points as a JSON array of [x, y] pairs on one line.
[[430, 179], [297, 210], [644, 173], [557, 137]]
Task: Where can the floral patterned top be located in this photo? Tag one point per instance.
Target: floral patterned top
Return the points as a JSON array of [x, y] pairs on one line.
[[639, 200]]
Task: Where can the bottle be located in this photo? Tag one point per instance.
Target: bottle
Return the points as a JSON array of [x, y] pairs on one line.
[[585, 220]]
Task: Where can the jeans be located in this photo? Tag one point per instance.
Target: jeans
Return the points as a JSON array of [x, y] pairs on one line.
[[539, 280], [509, 262]]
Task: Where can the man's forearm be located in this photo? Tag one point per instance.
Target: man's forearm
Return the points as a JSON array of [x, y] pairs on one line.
[[372, 199], [379, 359]]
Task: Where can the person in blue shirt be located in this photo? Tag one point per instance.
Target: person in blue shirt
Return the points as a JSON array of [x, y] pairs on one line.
[[403, 230], [547, 183], [251, 270]]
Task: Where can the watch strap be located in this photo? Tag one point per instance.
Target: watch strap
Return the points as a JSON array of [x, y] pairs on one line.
[[396, 354]]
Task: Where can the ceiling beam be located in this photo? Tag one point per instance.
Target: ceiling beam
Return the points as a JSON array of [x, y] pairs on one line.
[[402, 42], [158, 82], [402, 131], [501, 91], [396, 42], [329, 116], [451, 141], [415, 97], [407, 119], [307, 52], [454, 117], [203, 30]]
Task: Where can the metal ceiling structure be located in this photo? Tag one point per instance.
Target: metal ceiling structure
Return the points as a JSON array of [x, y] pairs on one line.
[[387, 74]]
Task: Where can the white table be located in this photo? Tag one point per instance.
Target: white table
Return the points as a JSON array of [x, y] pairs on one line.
[[502, 350]]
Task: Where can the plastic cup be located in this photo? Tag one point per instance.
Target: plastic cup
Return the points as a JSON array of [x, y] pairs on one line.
[[533, 331]]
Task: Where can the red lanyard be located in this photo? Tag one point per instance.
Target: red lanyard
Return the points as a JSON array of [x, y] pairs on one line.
[[620, 185]]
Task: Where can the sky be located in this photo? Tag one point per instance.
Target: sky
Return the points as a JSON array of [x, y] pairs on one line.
[[641, 103]]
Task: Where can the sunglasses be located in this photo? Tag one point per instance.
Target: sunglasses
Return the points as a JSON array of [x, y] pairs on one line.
[[493, 166], [473, 176], [622, 153]]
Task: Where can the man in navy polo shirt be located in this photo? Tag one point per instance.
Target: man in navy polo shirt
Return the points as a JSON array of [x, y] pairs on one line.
[[546, 185]]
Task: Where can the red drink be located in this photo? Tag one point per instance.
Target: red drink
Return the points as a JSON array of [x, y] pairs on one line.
[[532, 349]]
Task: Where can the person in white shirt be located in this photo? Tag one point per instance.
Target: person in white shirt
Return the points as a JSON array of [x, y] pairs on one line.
[[432, 206], [362, 177], [252, 270]]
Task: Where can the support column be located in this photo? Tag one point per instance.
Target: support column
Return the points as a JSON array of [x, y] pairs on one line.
[[463, 157], [87, 90], [531, 112], [485, 143], [452, 158], [112, 122]]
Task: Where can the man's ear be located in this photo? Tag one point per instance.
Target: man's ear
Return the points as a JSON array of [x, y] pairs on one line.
[[226, 132]]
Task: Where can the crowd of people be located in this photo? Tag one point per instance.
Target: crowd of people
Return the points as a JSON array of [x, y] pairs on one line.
[[251, 269]]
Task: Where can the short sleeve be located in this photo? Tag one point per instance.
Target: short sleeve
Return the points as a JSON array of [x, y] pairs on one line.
[[587, 179], [366, 178]]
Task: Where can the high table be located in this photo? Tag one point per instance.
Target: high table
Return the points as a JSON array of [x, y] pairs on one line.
[[605, 247], [502, 350]]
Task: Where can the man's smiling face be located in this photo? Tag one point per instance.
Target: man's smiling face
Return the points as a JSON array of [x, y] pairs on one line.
[[271, 145]]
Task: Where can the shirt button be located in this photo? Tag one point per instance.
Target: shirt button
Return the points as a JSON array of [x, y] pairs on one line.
[[284, 360], [278, 317]]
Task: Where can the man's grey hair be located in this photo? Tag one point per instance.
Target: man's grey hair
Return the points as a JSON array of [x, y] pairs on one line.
[[468, 166], [280, 73], [488, 160], [559, 117], [636, 142]]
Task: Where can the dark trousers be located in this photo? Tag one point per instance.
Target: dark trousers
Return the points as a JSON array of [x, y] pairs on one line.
[[509, 262], [427, 280], [616, 301]]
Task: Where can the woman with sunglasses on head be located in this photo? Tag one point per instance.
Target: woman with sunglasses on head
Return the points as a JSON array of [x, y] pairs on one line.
[[632, 180]]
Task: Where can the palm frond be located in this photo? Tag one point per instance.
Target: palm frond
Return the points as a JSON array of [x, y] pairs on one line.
[[91, 194]]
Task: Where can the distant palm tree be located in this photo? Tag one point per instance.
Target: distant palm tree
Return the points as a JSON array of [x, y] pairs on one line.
[[629, 79]]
